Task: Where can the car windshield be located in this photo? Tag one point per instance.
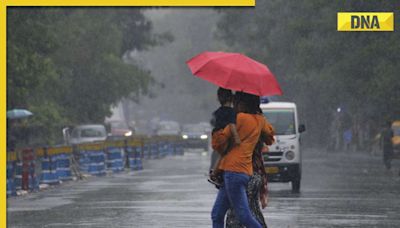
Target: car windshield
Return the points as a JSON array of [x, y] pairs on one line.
[[193, 128], [282, 120], [169, 126], [93, 132]]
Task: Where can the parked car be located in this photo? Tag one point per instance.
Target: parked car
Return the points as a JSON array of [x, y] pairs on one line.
[[84, 133], [119, 129]]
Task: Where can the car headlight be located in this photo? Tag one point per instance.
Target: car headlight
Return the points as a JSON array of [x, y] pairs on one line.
[[203, 136], [290, 155], [129, 133], [185, 137]]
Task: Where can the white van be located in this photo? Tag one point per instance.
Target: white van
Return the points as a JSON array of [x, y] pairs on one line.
[[84, 134], [282, 161]]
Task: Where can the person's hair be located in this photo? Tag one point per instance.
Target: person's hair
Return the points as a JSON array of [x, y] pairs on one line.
[[224, 95], [250, 102]]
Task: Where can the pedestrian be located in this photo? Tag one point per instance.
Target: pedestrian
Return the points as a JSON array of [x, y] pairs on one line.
[[257, 190], [347, 139], [386, 145], [224, 116], [237, 163]]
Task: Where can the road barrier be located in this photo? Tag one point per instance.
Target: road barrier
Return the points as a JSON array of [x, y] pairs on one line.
[[49, 173], [146, 148], [18, 174], [154, 150], [62, 159], [55, 164], [94, 157], [115, 155], [64, 166], [61, 163], [134, 154], [164, 148]]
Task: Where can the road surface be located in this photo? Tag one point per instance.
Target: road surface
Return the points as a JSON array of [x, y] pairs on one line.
[[338, 190]]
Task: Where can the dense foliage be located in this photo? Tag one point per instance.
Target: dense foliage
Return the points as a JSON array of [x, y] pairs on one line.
[[322, 69], [69, 65]]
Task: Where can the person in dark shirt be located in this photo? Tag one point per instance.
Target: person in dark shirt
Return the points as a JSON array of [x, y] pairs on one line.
[[386, 145], [224, 116]]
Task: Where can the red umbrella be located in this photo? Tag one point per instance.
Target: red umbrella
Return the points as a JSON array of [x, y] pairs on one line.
[[236, 72]]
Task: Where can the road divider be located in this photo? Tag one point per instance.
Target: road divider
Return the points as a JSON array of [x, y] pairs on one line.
[[64, 163]]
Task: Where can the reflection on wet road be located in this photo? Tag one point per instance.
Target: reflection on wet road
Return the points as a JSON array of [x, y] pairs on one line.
[[338, 190]]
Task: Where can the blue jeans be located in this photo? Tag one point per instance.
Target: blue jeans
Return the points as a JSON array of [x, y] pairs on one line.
[[233, 195]]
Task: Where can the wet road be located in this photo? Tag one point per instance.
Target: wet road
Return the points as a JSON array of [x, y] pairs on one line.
[[338, 190]]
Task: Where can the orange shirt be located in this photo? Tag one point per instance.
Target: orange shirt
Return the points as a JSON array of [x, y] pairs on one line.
[[249, 127]]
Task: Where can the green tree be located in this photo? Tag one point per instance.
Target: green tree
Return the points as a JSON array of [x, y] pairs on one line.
[[69, 65], [319, 68]]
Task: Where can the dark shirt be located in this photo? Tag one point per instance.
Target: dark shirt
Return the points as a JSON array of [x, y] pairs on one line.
[[387, 135], [222, 117]]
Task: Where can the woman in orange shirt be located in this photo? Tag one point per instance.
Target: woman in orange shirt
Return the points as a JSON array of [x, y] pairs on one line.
[[237, 163]]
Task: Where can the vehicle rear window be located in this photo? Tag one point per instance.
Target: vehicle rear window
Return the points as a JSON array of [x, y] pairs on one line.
[[92, 132]]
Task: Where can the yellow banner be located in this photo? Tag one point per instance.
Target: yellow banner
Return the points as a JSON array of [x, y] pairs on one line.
[[119, 143], [59, 150], [11, 156], [39, 152], [131, 3], [365, 22], [134, 142], [92, 147]]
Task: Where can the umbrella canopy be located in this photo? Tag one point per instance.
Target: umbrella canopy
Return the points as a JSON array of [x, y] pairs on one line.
[[236, 72], [18, 113]]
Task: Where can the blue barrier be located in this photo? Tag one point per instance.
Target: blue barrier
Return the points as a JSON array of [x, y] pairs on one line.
[[136, 150], [181, 149], [56, 164], [18, 175], [49, 170], [33, 181], [147, 150], [11, 190], [139, 156], [97, 163], [135, 157], [115, 159], [131, 151], [170, 149], [92, 159], [10, 169], [64, 167], [164, 149], [154, 150], [9, 187], [84, 161]]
